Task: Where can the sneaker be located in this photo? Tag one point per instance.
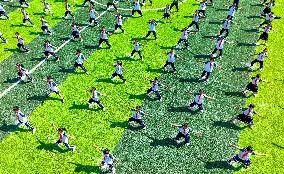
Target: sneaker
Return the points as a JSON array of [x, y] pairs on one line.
[[177, 141], [104, 109], [206, 80], [62, 100], [187, 48], [6, 41], [73, 148], [202, 111], [34, 130], [144, 127], [90, 106], [178, 47], [125, 82], [187, 144], [190, 108], [161, 99]]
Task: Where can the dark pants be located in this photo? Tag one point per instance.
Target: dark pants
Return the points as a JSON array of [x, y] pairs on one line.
[[27, 124], [93, 20], [180, 135], [45, 28], [245, 119], [156, 92], [222, 31], [207, 74], [46, 53], [260, 63], [263, 36], [252, 87], [22, 46], [21, 75], [203, 12], [98, 103], [185, 42], [25, 20], [154, 33], [265, 22], [174, 4], [118, 26], [69, 12], [220, 51], [137, 121], [111, 4], [236, 158], [119, 75], [23, 2], [138, 11], [80, 65], [172, 64], [2, 38], [2, 13], [200, 106], [104, 40], [194, 23], [66, 144], [139, 52]]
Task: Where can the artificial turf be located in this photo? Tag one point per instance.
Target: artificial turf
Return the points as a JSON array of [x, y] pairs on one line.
[[267, 135]]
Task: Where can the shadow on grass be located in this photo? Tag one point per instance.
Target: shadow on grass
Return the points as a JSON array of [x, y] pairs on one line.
[[245, 44], [252, 30], [240, 69], [182, 109], [11, 80], [86, 168], [42, 98], [39, 14], [79, 106], [66, 70], [227, 124], [219, 165], [91, 47], [188, 16], [108, 80], [253, 17], [159, 70], [166, 142], [35, 33], [235, 94], [137, 96], [188, 80], [166, 48], [202, 56], [50, 147], [281, 147], [221, 9], [12, 50], [37, 59], [126, 58], [7, 128], [215, 22], [125, 125]]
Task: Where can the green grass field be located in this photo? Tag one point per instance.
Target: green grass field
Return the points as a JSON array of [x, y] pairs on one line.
[[140, 151]]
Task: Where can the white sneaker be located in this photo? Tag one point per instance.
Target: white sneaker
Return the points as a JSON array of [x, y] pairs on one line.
[[190, 108], [34, 130], [187, 144], [73, 148], [177, 141], [202, 111]]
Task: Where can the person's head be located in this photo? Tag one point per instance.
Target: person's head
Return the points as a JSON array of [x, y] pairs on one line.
[[167, 6], [258, 76], [46, 41], [17, 33], [185, 125], [251, 106], [156, 80], [73, 24], [16, 108], [222, 37], [265, 50], [201, 91], [22, 9], [152, 21], [66, 1], [172, 50], [61, 130], [212, 59], [203, 1], [196, 11], [94, 88], [269, 25], [249, 149], [78, 51], [103, 28], [119, 63], [136, 40], [18, 65], [234, 5], [106, 151], [229, 17], [138, 108], [42, 17], [49, 78]]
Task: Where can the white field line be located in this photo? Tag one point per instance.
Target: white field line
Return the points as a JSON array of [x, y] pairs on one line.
[[41, 62]]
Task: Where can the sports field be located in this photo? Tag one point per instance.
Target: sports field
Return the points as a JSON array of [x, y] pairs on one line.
[[139, 151]]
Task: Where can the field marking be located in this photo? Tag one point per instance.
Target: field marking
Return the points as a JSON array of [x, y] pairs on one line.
[[41, 62]]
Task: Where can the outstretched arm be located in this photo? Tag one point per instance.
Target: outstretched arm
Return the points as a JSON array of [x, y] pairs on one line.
[[175, 125]]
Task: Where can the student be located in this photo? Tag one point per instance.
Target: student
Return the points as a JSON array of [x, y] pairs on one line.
[[219, 46], [63, 138], [155, 88], [152, 29], [137, 46], [211, 2], [195, 20], [92, 3], [199, 100], [137, 8], [44, 26], [118, 24], [244, 156], [264, 1], [183, 132], [95, 99], [167, 13], [202, 9], [246, 116], [53, 87], [2, 38], [264, 35], [237, 3], [253, 85], [22, 119], [107, 163], [21, 42], [260, 58], [23, 73], [184, 35], [3, 12], [75, 32], [46, 7], [171, 59], [226, 27], [104, 38], [208, 69], [93, 17], [49, 50], [118, 71], [268, 19], [267, 9], [137, 116], [24, 2], [68, 10], [144, 2], [232, 11], [80, 58], [174, 3], [26, 17], [112, 3]]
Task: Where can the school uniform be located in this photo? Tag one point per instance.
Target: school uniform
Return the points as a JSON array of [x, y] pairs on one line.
[[268, 19], [137, 47], [1, 37], [219, 46], [24, 2], [171, 60], [79, 62], [137, 8], [232, 11], [53, 87], [108, 159], [3, 12], [95, 99], [118, 72], [246, 116], [260, 59], [202, 9], [44, 26], [93, 17], [174, 3], [21, 44], [167, 13], [198, 101], [75, 32], [154, 88], [226, 27], [195, 21], [111, 3], [49, 51], [22, 73], [46, 7], [26, 18], [63, 138], [104, 38], [243, 157], [183, 133], [68, 11], [264, 35], [209, 66], [118, 23], [253, 85], [23, 119], [152, 30], [137, 117], [183, 37], [267, 9]]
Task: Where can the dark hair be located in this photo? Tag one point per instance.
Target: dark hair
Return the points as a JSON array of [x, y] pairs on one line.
[[251, 106], [249, 148], [62, 129], [49, 77], [94, 88], [185, 124], [156, 78], [79, 51], [16, 108], [106, 151], [201, 90], [258, 76]]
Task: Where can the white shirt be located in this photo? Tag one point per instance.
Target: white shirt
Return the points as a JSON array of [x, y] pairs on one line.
[[48, 47], [26, 15], [195, 17], [95, 95], [0, 34], [244, 155], [80, 58], [248, 112], [232, 11], [74, 28], [137, 115], [93, 14], [155, 86], [20, 40], [199, 98], [118, 69], [137, 6], [167, 10], [67, 7], [227, 24], [255, 81], [171, 57], [137, 46], [119, 20], [52, 86], [267, 29], [184, 131], [104, 34], [209, 66], [153, 26], [1, 8], [262, 56], [203, 6], [184, 34], [22, 117], [220, 43], [46, 5], [107, 159], [269, 18], [63, 137], [44, 23]]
